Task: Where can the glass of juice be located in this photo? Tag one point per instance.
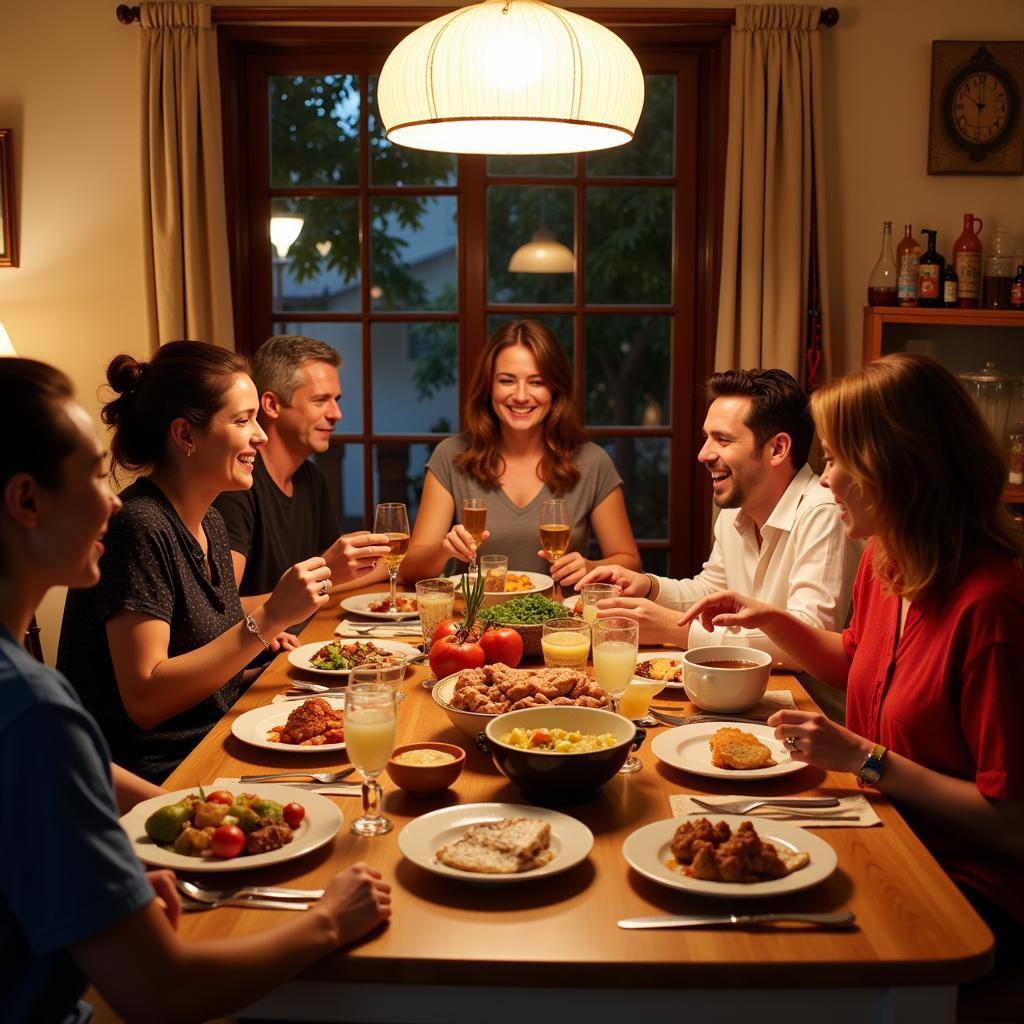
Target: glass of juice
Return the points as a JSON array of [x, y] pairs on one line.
[[554, 529], [392, 519], [369, 739], [636, 699], [434, 600], [565, 643], [615, 646], [494, 569], [474, 519], [591, 593], [390, 674]]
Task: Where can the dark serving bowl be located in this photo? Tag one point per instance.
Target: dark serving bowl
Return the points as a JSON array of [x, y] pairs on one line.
[[560, 778]]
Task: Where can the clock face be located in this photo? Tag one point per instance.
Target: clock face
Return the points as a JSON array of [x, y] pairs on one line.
[[980, 109]]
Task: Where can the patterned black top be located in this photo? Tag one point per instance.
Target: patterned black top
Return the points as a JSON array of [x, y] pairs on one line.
[[152, 565]]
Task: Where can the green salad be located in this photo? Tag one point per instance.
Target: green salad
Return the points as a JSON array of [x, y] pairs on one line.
[[337, 656], [531, 610]]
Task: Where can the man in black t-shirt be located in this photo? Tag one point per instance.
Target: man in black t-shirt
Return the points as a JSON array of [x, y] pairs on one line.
[[286, 516]]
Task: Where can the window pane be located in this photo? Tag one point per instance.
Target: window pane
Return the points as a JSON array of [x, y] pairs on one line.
[[628, 370], [562, 327], [629, 245], [320, 270], [397, 165], [342, 467], [344, 339], [652, 151], [514, 215], [413, 252], [643, 464], [561, 165], [415, 379], [398, 471], [314, 130]]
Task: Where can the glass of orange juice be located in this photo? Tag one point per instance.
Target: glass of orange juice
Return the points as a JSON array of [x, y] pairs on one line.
[[565, 643]]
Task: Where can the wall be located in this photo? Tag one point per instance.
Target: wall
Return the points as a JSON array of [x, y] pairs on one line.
[[69, 89]]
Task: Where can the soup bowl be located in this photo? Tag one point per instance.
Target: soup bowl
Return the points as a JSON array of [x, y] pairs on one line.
[[726, 680]]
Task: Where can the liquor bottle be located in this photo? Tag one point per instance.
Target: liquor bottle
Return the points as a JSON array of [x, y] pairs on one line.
[[908, 253], [967, 262], [1017, 290], [997, 280], [1015, 448], [882, 283], [950, 283], [930, 268]]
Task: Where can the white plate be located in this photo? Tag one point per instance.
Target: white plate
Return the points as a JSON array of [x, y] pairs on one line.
[[672, 655], [687, 747], [254, 725], [648, 851], [359, 604], [540, 581], [570, 603], [301, 655], [571, 840], [320, 825]]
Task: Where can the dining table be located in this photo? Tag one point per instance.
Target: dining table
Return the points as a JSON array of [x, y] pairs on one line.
[[549, 947]]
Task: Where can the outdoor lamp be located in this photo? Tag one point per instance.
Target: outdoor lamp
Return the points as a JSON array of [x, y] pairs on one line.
[[284, 231]]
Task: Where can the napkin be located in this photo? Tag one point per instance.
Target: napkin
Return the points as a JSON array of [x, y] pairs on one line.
[[381, 630], [338, 789], [682, 806], [772, 701]]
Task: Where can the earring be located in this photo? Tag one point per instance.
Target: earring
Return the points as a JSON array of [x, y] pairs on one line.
[[189, 450]]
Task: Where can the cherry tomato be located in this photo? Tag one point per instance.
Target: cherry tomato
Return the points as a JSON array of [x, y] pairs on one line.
[[448, 656], [220, 796], [227, 841], [502, 644], [446, 627], [293, 814]]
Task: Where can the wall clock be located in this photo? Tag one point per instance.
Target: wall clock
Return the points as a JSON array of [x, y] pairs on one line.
[[976, 124]]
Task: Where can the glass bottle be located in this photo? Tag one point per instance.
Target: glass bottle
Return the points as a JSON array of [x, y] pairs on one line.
[[1017, 290], [1015, 445], [882, 285], [929, 277], [967, 262], [950, 286], [1000, 264], [908, 254]]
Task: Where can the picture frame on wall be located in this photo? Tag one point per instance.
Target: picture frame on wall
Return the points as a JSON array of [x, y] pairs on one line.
[[8, 232]]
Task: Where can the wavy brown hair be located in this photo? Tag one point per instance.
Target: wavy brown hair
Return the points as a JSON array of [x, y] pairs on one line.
[[563, 433], [911, 437]]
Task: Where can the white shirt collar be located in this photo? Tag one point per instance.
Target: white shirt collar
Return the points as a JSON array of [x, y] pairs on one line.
[[784, 513]]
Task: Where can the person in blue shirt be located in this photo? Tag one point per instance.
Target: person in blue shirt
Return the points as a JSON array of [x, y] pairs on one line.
[[75, 903]]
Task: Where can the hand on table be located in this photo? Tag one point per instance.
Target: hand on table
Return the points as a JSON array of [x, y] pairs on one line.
[[357, 900], [634, 584], [658, 625], [458, 543], [163, 882], [820, 741]]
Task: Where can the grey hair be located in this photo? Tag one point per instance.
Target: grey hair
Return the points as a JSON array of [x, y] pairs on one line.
[[276, 364]]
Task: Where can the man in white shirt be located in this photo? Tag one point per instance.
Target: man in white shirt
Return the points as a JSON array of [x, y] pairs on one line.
[[778, 538]]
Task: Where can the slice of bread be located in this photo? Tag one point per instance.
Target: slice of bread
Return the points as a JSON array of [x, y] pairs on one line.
[[503, 847], [733, 748]]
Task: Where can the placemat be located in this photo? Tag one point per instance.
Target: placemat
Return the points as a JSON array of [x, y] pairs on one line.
[[855, 806]]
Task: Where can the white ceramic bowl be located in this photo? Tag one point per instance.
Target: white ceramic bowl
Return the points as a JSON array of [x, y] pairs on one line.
[[726, 690], [470, 722]]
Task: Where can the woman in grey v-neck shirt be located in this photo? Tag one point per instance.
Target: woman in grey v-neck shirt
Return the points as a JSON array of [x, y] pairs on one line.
[[523, 443]]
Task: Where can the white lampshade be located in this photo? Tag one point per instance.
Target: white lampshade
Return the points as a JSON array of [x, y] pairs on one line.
[[512, 77], [542, 254], [284, 231], [6, 348]]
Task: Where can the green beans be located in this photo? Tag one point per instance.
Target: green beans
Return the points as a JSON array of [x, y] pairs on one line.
[[523, 611]]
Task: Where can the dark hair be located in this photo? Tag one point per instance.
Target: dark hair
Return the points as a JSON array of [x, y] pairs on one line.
[[276, 364], [778, 406], [562, 431], [186, 379], [38, 436]]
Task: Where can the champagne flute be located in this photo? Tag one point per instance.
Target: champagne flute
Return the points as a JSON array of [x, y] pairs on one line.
[[434, 599], [474, 519], [369, 739], [392, 519], [390, 674], [554, 529], [615, 646]]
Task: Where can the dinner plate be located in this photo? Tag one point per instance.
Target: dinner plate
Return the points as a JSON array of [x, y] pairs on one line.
[[673, 655], [541, 582], [300, 657], [687, 747], [571, 602], [419, 841], [254, 725], [359, 604], [648, 851], [319, 826]]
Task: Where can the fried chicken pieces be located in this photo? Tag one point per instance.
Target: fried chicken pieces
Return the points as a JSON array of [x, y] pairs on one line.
[[495, 689], [714, 853], [733, 748], [313, 723]]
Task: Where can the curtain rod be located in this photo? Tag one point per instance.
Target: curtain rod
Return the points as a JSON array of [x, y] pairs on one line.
[[828, 17]]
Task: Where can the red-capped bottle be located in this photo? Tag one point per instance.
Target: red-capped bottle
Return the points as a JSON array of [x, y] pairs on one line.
[[967, 263]]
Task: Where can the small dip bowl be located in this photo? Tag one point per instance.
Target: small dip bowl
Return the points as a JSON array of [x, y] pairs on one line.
[[426, 779]]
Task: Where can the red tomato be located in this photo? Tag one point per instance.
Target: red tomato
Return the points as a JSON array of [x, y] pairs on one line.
[[448, 656], [293, 814], [227, 841], [220, 796], [539, 736], [446, 627], [502, 644]]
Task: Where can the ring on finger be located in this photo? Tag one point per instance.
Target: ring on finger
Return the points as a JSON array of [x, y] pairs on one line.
[[325, 588], [790, 742]]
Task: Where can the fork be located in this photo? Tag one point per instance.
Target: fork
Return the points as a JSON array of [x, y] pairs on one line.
[[203, 895], [190, 905], [323, 778], [746, 806], [697, 719]]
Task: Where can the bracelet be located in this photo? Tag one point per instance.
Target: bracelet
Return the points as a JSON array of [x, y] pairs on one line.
[[654, 589], [250, 624]]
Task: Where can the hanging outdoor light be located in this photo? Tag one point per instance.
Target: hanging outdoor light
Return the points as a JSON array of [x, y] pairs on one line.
[[283, 232], [542, 254], [511, 77]]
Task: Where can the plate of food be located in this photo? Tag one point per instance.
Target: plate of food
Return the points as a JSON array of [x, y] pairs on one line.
[[378, 606], [574, 604], [338, 657], [719, 750], [516, 583], [728, 855], [156, 827], [314, 726], [664, 665], [495, 842]]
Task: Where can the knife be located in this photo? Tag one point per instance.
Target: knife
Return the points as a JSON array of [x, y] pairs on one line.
[[840, 919]]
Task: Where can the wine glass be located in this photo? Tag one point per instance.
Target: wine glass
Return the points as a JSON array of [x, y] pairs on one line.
[[434, 599], [615, 645], [369, 739], [554, 529], [390, 674], [474, 519], [392, 519]]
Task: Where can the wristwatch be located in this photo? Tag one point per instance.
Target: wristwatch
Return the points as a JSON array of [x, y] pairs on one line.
[[871, 770], [250, 624]]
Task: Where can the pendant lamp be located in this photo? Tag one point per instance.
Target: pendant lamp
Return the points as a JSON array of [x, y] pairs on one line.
[[542, 254], [511, 77]]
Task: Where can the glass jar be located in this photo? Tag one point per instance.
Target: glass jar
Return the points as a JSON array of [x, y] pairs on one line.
[[1015, 446], [999, 267], [993, 392]]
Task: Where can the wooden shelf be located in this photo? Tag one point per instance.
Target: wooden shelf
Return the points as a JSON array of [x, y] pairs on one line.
[[1013, 495], [877, 317]]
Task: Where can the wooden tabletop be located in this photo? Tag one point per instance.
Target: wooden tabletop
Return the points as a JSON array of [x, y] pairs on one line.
[[913, 926]]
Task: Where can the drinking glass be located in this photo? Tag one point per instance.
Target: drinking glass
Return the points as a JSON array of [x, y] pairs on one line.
[[554, 530], [635, 702], [565, 643], [434, 599], [594, 592], [370, 738], [494, 569], [474, 519], [615, 646], [390, 674], [392, 519]]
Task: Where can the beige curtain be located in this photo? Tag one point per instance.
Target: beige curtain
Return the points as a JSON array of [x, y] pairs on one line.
[[187, 274], [774, 152]]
